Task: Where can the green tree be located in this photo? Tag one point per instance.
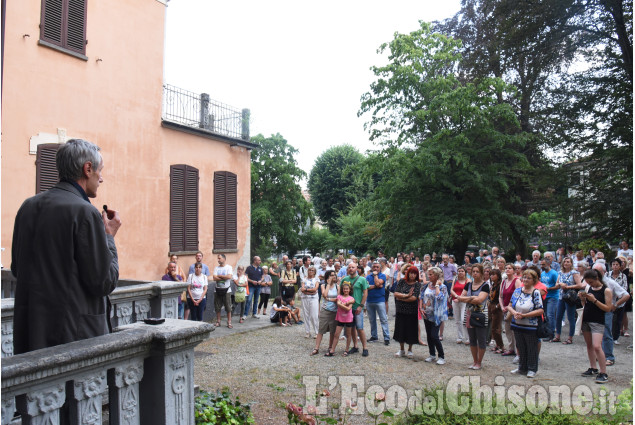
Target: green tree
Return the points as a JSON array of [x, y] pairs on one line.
[[592, 120], [279, 212], [452, 149], [333, 183]]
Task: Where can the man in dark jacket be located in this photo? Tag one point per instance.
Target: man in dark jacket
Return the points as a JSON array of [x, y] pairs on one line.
[[64, 256]]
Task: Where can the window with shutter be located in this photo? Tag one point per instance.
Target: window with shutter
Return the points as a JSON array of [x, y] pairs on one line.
[[46, 175], [183, 208], [63, 24], [225, 210]]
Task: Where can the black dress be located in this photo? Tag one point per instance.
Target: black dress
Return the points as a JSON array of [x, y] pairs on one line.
[[406, 318]]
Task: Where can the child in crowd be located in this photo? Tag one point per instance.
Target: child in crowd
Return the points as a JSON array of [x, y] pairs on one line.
[[294, 311], [279, 313], [343, 318]]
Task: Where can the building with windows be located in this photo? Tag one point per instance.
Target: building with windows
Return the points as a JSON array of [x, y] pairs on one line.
[[176, 163]]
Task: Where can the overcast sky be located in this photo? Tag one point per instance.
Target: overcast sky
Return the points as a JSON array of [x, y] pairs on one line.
[[300, 67]]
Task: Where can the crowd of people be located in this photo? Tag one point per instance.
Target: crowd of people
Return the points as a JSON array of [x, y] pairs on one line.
[[487, 297]]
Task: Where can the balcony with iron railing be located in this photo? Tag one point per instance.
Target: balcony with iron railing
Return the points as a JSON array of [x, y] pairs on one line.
[[197, 113]]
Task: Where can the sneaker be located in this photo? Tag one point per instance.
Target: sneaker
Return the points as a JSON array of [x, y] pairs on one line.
[[400, 353], [441, 361], [244, 317], [386, 342], [353, 350], [431, 359], [364, 353], [516, 360], [410, 355], [518, 372], [590, 372], [253, 316], [531, 374], [616, 343], [373, 339], [602, 378], [300, 322]]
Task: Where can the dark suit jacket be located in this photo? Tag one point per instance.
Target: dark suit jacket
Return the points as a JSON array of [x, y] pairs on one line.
[[65, 265]]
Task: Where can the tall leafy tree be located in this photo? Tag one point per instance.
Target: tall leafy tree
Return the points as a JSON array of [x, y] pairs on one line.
[[279, 212], [333, 183], [592, 120], [452, 149]]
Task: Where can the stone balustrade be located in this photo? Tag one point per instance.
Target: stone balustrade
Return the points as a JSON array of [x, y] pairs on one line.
[[132, 302], [147, 371]]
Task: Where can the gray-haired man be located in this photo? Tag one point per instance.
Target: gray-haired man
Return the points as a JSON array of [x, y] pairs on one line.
[[64, 256]]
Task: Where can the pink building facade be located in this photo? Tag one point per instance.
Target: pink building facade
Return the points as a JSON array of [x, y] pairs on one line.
[[176, 165]]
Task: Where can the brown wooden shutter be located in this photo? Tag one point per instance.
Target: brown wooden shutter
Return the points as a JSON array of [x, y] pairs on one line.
[[225, 210], [51, 21], [183, 208], [76, 26], [46, 175], [191, 209], [63, 23]]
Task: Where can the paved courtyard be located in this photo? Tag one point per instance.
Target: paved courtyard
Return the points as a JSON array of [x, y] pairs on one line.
[[270, 366]]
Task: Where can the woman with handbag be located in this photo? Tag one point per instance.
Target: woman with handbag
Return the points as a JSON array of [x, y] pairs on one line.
[[569, 281], [526, 308], [242, 290], [406, 308], [288, 279], [508, 287], [476, 297], [459, 284], [433, 305]]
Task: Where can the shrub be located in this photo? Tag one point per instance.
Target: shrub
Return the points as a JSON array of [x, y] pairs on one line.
[[219, 408]]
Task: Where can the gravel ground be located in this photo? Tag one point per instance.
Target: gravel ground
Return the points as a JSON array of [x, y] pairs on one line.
[[267, 367]]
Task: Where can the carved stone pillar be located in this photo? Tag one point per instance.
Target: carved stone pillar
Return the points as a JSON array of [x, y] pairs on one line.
[[8, 408], [41, 407], [87, 390], [123, 314], [123, 387], [142, 308], [7, 339]]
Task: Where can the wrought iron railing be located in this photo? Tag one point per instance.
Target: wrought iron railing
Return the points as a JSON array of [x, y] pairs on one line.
[[199, 111]]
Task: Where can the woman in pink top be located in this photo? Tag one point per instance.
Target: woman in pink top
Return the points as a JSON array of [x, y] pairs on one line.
[[459, 307], [508, 287], [343, 318]]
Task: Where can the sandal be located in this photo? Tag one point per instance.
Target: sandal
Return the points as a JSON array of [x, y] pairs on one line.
[[568, 341], [508, 353], [315, 351], [240, 321], [217, 324], [345, 354], [229, 325], [329, 354], [610, 362], [556, 339]]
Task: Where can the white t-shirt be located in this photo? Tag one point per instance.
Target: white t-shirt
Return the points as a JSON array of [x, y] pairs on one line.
[[625, 253], [273, 311], [311, 284], [226, 270], [198, 284]]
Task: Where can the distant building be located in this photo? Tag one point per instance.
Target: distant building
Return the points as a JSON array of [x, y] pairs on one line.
[[177, 164]]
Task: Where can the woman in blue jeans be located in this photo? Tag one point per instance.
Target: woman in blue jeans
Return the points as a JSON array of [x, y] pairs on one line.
[[568, 278]]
